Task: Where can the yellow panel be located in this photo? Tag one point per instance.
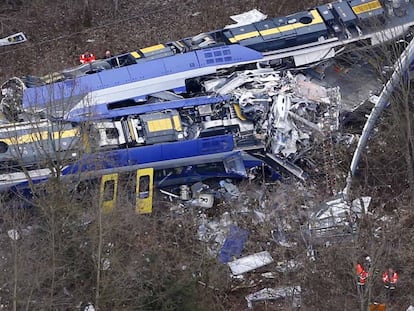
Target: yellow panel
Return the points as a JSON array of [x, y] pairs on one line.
[[247, 35], [270, 31], [177, 123], [26, 138], [160, 125], [65, 134], [287, 27], [238, 112], [367, 7], [52, 77], [38, 136], [86, 143], [232, 40], [131, 130], [153, 48], [317, 18], [108, 204], [135, 54], [144, 196]]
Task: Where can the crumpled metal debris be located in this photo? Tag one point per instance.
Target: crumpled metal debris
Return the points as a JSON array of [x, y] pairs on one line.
[[230, 188], [214, 232], [288, 266], [337, 217], [289, 112], [276, 293]]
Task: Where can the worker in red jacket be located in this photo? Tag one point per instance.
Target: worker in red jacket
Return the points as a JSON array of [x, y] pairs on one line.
[[362, 276], [87, 57], [390, 278]]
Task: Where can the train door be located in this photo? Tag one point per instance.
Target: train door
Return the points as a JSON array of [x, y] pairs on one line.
[[108, 192], [141, 196], [144, 191]]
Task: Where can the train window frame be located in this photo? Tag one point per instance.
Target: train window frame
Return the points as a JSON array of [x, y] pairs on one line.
[[3, 147]]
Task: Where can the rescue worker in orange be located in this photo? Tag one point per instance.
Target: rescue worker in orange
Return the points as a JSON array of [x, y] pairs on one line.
[[390, 279], [87, 57], [362, 275]]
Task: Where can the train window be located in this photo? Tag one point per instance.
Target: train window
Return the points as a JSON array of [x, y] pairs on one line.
[[3, 147], [112, 133], [109, 190], [144, 187], [217, 167], [144, 191], [305, 20]]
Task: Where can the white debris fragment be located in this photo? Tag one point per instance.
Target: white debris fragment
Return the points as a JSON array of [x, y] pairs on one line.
[[106, 264], [13, 234], [275, 294], [89, 307], [288, 266], [249, 263], [230, 188], [246, 18]]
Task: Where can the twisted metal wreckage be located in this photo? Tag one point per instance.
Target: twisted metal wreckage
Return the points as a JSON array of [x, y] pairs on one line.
[[223, 104]]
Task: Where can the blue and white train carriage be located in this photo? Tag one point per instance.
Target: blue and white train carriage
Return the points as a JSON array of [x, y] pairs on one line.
[[296, 40]]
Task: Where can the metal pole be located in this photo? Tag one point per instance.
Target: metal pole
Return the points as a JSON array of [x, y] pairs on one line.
[[401, 66]]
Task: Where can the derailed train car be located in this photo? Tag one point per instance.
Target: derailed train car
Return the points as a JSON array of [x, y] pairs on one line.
[[295, 40], [169, 141]]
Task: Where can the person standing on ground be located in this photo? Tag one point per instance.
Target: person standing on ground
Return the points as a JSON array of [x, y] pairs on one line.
[[390, 279]]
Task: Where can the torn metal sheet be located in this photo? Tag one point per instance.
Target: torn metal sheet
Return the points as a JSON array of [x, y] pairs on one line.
[[249, 263], [337, 217], [293, 292]]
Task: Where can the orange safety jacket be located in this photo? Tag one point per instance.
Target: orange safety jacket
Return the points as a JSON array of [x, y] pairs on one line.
[[362, 275], [390, 279], [87, 58]]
